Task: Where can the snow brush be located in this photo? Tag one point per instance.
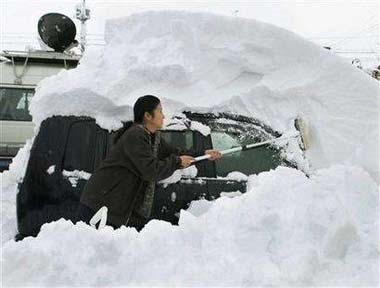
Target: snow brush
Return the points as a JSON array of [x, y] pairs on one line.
[[300, 126]]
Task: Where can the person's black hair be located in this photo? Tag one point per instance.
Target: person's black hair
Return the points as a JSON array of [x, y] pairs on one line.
[[147, 103]]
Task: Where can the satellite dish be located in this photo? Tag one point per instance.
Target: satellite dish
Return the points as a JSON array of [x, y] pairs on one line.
[[57, 31]]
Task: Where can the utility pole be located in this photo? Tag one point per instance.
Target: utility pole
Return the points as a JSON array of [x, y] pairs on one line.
[[82, 14]]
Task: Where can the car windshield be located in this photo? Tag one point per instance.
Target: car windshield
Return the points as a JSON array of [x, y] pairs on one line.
[[14, 104], [249, 161]]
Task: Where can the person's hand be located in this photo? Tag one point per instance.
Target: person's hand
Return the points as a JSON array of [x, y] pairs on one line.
[[186, 160], [215, 154]]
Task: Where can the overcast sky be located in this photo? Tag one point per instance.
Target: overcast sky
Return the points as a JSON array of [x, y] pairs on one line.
[[344, 24]]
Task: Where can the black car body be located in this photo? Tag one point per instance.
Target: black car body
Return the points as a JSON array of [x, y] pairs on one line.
[[52, 186]]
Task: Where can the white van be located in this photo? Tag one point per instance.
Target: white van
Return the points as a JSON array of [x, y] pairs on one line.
[[19, 74]]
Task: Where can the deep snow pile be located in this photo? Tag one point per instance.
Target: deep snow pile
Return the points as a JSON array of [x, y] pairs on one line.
[[286, 230], [224, 64], [8, 183]]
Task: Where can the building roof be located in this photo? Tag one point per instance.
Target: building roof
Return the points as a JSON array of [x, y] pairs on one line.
[[39, 56]]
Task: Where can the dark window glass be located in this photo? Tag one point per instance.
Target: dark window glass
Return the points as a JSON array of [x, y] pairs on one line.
[[248, 162], [79, 153], [182, 139], [14, 104]]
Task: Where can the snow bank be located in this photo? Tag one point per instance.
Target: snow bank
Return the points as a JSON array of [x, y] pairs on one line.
[[8, 183], [229, 64], [286, 230]]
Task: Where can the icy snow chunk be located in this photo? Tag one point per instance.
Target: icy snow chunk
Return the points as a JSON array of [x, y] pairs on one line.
[[189, 172], [51, 169], [234, 175], [183, 123], [237, 176], [203, 129], [179, 122], [74, 176]]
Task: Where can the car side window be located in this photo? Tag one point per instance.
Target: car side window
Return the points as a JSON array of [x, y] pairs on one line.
[[249, 161], [183, 139], [79, 152]]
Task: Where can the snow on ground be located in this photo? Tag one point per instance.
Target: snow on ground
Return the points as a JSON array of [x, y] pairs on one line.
[[9, 181], [287, 229], [8, 208]]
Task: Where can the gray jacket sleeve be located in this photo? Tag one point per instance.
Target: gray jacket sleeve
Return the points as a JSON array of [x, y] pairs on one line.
[[139, 151]]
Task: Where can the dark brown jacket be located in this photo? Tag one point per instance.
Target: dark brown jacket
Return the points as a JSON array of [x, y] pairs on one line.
[[127, 168]]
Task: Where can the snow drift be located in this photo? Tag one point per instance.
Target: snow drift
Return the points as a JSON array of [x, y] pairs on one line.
[[287, 229], [224, 64]]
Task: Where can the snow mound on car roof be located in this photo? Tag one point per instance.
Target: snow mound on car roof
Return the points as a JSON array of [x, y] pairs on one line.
[[223, 64], [286, 230]]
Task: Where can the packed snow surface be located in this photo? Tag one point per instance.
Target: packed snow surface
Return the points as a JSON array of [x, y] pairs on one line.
[[288, 229]]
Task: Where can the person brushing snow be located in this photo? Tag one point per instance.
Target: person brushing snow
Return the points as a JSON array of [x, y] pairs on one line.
[[125, 180]]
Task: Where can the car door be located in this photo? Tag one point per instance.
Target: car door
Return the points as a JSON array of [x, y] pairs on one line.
[[171, 198], [65, 153], [231, 130], [247, 162]]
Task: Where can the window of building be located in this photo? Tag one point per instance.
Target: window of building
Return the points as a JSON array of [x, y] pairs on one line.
[[14, 104]]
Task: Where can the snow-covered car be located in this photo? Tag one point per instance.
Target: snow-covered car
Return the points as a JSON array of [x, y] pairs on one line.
[[68, 149]]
